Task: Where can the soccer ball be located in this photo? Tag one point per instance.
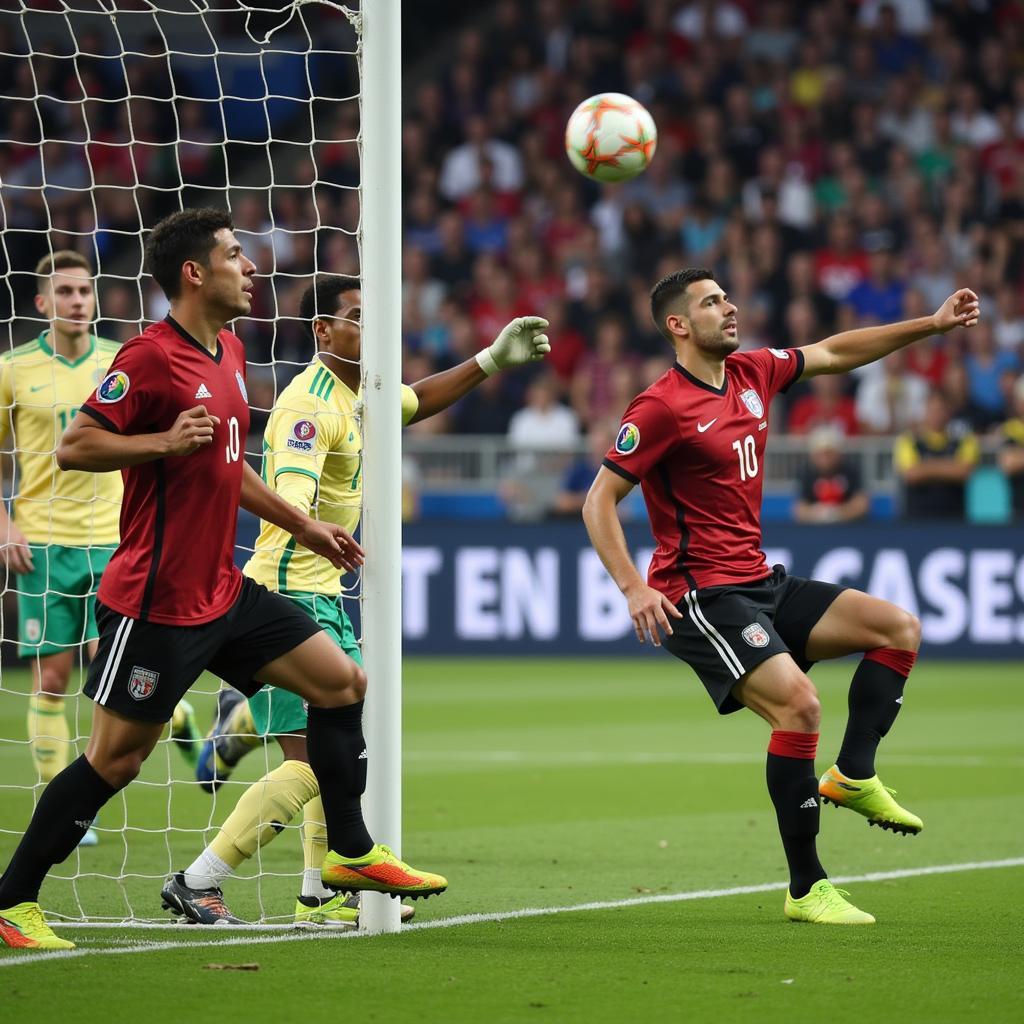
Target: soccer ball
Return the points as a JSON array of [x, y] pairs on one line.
[[610, 137]]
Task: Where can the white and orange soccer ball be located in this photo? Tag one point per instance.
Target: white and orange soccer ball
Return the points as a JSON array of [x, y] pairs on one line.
[[610, 137]]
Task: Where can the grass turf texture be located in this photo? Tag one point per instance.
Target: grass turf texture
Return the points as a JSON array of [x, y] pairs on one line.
[[552, 783]]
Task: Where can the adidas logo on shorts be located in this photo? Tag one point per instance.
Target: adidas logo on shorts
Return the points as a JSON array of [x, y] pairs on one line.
[[808, 803]]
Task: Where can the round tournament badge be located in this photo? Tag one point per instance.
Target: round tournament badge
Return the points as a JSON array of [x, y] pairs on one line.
[[114, 387], [628, 440]]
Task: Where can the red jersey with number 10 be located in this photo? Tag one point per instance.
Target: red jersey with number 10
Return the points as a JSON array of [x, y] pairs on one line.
[[698, 452], [175, 563]]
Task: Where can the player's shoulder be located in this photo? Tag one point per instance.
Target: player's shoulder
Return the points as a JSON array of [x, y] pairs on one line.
[[27, 351]]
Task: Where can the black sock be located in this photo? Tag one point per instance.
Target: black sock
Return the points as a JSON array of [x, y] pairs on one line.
[[876, 696], [337, 755], [63, 815], [793, 788]]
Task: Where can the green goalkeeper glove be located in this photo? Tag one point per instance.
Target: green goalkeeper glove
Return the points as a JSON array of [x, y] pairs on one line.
[[519, 343]]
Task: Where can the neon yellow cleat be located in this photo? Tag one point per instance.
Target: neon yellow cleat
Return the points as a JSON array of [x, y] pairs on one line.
[[870, 798], [337, 912], [825, 904], [379, 871], [24, 927]]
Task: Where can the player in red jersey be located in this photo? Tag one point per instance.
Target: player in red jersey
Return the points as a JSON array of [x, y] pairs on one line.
[[694, 441], [171, 414]]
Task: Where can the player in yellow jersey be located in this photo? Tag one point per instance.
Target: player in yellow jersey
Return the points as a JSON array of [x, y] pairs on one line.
[[65, 524], [311, 457]]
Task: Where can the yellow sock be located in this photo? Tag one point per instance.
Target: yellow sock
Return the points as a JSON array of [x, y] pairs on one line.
[[263, 810], [48, 735], [314, 835], [178, 719]]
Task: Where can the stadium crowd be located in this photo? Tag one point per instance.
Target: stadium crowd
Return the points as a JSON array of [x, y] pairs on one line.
[[835, 163]]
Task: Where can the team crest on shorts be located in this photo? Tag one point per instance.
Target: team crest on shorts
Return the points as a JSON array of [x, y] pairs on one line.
[[756, 635], [33, 630], [628, 440], [142, 682], [302, 436], [752, 400]]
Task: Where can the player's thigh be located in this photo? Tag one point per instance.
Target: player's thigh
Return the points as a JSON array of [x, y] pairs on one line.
[[271, 639], [856, 622], [278, 712], [293, 747], [724, 633], [781, 693]]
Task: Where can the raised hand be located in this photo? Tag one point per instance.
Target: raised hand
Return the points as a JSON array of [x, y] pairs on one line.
[[961, 309], [521, 341]]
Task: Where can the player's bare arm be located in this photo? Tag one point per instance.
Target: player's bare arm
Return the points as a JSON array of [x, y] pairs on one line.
[[90, 447], [521, 341], [648, 608], [844, 352], [326, 539]]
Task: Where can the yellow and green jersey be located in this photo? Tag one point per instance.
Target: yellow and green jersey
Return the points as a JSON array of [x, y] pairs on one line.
[[40, 392], [312, 458]]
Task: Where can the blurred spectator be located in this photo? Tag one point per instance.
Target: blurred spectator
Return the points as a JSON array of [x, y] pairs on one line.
[[841, 265], [1011, 452], [831, 490], [1008, 320], [825, 405], [934, 464], [543, 424], [985, 364], [462, 171], [580, 474], [892, 400], [879, 298]]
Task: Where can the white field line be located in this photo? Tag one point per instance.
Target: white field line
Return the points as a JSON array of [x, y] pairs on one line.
[[145, 946], [583, 757]]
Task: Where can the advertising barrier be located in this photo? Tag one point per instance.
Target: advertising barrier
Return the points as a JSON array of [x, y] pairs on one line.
[[506, 588]]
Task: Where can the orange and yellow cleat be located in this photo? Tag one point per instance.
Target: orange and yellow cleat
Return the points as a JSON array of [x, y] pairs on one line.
[[24, 927], [379, 871]]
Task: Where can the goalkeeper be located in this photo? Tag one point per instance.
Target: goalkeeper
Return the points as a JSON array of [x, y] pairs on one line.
[[311, 457], [65, 525]]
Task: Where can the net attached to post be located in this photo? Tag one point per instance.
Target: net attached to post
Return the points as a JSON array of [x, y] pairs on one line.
[[115, 114]]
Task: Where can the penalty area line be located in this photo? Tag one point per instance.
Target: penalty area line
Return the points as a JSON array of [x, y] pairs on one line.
[[144, 946]]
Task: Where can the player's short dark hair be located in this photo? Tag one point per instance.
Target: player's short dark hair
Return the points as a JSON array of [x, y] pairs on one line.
[[62, 259], [670, 288], [186, 235], [323, 296]]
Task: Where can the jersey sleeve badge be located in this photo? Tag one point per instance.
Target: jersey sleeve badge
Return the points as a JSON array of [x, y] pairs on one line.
[[302, 435], [113, 387], [779, 353], [241, 385], [628, 439]]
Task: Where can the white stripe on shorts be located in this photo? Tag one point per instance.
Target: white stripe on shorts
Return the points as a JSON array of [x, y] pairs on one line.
[[113, 660], [727, 654]]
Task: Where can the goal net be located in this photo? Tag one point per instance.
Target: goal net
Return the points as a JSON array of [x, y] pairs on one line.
[[114, 114]]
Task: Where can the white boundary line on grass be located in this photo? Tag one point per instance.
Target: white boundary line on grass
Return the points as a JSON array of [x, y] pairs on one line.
[[144, 946]]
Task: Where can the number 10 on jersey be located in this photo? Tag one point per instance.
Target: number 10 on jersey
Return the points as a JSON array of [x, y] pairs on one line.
[[234, 446], [746, 452]]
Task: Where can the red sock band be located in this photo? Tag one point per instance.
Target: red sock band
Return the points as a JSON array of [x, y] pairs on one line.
[[899, 661], [803, 745]]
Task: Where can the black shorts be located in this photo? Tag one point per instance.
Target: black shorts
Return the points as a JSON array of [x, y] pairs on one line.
[[142, 669], [726, 632]]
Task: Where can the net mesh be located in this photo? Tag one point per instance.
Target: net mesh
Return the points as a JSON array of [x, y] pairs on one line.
[[115, 114]]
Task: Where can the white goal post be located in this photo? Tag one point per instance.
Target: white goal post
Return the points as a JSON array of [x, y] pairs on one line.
[[272, 61]]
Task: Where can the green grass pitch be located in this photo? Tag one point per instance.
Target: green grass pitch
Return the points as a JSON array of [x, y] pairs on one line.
[[554, 783]]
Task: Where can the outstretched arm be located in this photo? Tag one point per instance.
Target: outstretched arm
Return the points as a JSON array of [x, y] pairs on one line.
[[521, 341], [844, 352], [648, 608]]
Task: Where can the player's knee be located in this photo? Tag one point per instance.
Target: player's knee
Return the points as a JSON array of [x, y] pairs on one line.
[[53, 681], [905, 631], [804, 708], [120, 769]]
